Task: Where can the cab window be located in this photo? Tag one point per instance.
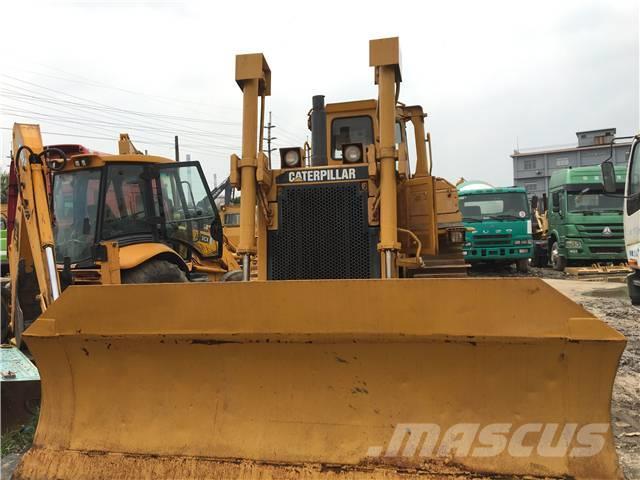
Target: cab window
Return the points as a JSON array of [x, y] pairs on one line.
[[75, 212], [634, 172], [633, 189], [125, 209], [350, 130]]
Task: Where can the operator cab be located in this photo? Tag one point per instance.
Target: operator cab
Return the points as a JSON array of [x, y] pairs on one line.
[[132, 199]]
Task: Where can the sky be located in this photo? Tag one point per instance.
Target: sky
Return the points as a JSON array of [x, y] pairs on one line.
[[492, 76]]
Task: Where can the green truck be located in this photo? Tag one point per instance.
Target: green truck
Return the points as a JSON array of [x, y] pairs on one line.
[[584, 222], [498, 224]]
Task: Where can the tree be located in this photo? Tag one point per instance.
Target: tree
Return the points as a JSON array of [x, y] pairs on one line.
[[4, 186]]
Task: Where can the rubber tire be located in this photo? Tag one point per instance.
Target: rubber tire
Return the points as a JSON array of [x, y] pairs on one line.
[[522, 265], [539, 258], [232, 276], [155, 271], [634, 290], [560, 262]]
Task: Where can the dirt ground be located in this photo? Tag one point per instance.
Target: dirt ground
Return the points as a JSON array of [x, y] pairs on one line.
[[605, 297]]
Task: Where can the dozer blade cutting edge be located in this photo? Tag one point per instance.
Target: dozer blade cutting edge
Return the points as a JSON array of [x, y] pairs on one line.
[[314, 379]]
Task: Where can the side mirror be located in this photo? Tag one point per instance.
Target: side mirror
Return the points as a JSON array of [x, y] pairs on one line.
[[217, 233], [608, 177]]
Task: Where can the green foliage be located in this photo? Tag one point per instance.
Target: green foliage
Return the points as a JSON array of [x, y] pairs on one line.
[[4, 185], [19, 440]]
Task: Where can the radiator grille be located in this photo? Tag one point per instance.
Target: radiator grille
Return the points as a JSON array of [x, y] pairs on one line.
[[492, 239], [323, 233]]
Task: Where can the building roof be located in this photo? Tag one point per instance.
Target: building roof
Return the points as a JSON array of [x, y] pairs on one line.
[[545, 150], [597, 130]]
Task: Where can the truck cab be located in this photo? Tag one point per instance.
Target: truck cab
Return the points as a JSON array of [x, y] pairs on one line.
[[585, 223], [632, 221], [498, 224]]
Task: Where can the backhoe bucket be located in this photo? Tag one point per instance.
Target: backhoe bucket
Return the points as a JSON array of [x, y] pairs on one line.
[[322, 379]]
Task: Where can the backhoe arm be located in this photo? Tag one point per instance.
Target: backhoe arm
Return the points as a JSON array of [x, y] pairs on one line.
[[31, 247]]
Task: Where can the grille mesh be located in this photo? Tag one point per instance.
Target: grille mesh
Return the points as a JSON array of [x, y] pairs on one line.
[[323, 233]]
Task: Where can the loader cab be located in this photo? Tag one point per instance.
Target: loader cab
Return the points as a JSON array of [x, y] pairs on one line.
[[132, 200]]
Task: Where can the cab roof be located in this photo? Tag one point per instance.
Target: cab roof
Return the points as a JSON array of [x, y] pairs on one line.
[[354, 105], [492, 190], [94, 160], [583, 175]]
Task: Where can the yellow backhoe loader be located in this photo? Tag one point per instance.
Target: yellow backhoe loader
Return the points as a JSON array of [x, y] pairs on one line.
[[387, 378], [84, 218]]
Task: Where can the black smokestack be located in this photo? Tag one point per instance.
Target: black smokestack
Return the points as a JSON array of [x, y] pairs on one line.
[[318, 132]]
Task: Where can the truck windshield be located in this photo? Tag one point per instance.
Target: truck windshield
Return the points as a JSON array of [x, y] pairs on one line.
[[75, 209], [495, 206], [588, 200]]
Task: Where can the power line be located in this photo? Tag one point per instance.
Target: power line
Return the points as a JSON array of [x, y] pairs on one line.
[[74, 77]]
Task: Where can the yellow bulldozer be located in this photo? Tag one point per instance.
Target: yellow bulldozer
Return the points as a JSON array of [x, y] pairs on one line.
[[296, 223], [352, 378]]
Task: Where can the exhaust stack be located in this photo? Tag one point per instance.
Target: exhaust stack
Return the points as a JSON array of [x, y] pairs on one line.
[[318, 132]]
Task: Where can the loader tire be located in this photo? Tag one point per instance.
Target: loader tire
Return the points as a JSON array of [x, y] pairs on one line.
[[154, 271], [522, 265], [232, 276], [558, 262]]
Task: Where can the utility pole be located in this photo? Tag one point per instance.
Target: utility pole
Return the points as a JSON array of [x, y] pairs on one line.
[[175, 142], [269, 138]]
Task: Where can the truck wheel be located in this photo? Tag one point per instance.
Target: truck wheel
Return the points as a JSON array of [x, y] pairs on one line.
[[522, 265], [634, 290], [558, 262], [154, 271]]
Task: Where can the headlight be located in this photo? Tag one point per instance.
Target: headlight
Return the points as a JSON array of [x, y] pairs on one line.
[[573, 244], [290, 157], [456, 236], [352, 153]]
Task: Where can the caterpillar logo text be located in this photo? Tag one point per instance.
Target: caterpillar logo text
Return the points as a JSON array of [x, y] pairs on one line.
[[323, 175]]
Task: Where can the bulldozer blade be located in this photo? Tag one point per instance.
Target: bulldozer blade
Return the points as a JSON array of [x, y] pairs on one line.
[[323, 379]]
